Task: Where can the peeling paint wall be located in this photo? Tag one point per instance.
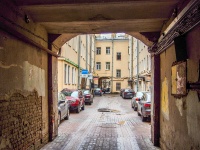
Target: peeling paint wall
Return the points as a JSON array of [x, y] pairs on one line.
[[23, 86], [180, 118]]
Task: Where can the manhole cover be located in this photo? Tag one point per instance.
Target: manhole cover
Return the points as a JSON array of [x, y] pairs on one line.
[[104, 110]]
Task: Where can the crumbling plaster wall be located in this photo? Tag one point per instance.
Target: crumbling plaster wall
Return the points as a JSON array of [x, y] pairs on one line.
[[23, 83], [180, 118]]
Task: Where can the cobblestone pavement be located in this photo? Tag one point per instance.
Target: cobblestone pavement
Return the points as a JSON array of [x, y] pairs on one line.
[[119, 129]]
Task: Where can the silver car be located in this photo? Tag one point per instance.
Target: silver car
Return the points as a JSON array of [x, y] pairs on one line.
[[136, 98], [63, 108], [144, 106]]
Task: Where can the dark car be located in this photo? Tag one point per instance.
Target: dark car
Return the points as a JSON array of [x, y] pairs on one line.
[[136, 98], [63, 108], [98, 91], [128, 93], [106, 90], [88, 96], [79, 103], [121, 91], [144, 106]]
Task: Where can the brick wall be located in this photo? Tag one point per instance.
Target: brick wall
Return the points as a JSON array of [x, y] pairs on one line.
[[21, 122]]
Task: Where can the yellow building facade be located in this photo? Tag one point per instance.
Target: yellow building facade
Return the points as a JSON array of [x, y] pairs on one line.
[[75, 55], [116, 61], [111, 61]]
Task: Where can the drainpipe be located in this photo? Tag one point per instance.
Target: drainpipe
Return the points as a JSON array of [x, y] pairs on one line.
[[90, 54], [131, 62], [137, 65], [86, 52], [112, 64], [86, 58], [79, 55]]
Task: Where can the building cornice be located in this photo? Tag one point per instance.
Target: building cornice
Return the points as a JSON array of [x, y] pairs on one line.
[[184, 22], [70, 62]]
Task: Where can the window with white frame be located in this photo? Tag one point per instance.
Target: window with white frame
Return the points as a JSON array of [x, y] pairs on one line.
[[118, 55], [107, 65], [68, 74], [65, 74], [98, 52], [107, 50], [118, 73], [98, 65], [118, 86]]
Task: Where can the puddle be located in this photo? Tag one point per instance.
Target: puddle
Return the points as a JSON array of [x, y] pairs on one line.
[[108, 110]]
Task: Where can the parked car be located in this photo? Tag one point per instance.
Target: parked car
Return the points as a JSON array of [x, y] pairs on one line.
[[88, 96], [98, 91], [144, 106], [63, 107], [128, 93], [79, 103], [121, 91], [136, 98], [67, 91], [105, 90]]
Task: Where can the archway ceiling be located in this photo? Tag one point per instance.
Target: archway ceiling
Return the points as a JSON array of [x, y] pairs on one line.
[[97, 16]]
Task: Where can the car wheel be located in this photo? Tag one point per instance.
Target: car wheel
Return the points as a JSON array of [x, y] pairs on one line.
[[83, 107], [132, 105], [143, 118], [59, 119], [67, 117], [78, 109], [135, 109]]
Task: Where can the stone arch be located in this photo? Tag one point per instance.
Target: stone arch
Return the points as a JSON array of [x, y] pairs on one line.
[[63, 38]]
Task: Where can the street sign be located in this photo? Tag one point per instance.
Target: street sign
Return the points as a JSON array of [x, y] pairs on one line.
[[90, 76], [85, 71], [84, 75]]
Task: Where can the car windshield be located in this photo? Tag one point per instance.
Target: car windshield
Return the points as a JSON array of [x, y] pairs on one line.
[[87, 92], [61, 96], [98, 89], [139, 94], [128, 90], [74, 94], [67, 93]]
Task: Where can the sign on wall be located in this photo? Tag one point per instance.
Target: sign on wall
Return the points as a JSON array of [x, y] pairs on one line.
[[84, 73], [179, 79]]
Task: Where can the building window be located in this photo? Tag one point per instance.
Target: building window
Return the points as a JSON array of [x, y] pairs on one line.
[[119, 56], [118, 73], [68, 74], [107, 65], [72, 75], [118, 86], [98, 52], [65, 74], [107, 50], [98, 65]]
